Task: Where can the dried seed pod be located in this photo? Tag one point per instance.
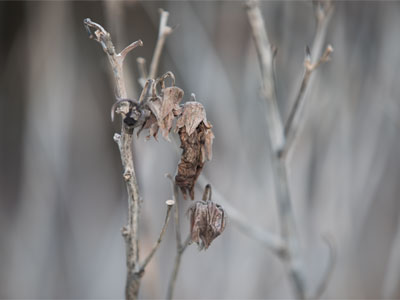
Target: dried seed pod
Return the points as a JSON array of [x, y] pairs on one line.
[[207, 221], [196, 141]]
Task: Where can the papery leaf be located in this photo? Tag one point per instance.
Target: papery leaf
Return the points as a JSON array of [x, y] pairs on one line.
[[207, 222], [193, 113]]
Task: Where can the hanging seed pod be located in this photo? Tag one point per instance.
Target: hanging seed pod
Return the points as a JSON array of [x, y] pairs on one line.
[[207, 221], [196, 142]]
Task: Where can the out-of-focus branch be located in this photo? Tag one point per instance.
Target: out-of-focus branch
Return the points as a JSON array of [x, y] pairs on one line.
[[266, 57], [323, 11], [277, 140], [269, 240], [277, 134], [180, 248], [164, 31], [326, 276], [141, 62], [125, 143]]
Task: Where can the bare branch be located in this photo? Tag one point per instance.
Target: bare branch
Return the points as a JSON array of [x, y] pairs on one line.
[[266, 57], [169, 203], [175, 193], [164, 31], [271, 241], [291, 126], [174, 275], [277, 141], [129, 48], [141, 62], [325, 278], [125, 143], [180, 248], [323, 11]]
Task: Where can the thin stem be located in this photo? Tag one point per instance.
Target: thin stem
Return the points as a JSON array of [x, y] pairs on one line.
[[141, 62], [125, 145], [164, 31], [158, 242], [323, 11], [174, 275], [129, 48], [292, 123], [321, 287], [277, 140], [271, 241], [278, 136], [180, 248]]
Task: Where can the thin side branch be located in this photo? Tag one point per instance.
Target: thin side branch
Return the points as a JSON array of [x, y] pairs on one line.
[[170, 203], [325, 278], [125, 145], [323, 11], [265, 53], [128, 49], [277, 141], [269, 240], [180, 248], [141, 62], [164, 31], [171, 285], [292, 123], [277, 135]]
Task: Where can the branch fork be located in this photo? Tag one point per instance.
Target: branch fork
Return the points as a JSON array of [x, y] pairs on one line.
[[282, 135], [123, 106]]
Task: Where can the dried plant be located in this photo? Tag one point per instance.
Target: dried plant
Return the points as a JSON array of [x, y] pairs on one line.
[[207, 220], [157, 111]]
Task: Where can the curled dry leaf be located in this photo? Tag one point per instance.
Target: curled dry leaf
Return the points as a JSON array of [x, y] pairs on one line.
[[163, 111], [154, 104], [171, 97], [196, 141], [207, 221]]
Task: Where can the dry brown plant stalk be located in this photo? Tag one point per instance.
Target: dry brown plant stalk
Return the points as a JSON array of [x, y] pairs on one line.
[[135, 268]]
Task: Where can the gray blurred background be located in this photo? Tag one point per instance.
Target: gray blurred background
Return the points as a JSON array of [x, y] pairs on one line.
[[62, 198]]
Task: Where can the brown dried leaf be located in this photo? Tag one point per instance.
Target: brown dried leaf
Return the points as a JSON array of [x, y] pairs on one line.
[[169, 105], [209, 136], [207, 221], [191, 162], [196, 141], [193, 113], [172, 96]]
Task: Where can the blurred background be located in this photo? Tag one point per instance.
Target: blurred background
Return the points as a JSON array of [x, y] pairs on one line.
[[62, 197]]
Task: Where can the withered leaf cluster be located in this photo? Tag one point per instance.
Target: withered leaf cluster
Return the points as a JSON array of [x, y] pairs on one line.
[[163, 109], [196, 142], [207, 221], [158, 111]]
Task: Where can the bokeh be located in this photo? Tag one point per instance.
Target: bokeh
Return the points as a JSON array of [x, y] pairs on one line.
[[62, 197]]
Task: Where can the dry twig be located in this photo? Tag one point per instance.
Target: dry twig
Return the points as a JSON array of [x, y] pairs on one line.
[[125, 143], [164, 31], [180, 248], [313, 59], [278, 136], [135, 269]]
